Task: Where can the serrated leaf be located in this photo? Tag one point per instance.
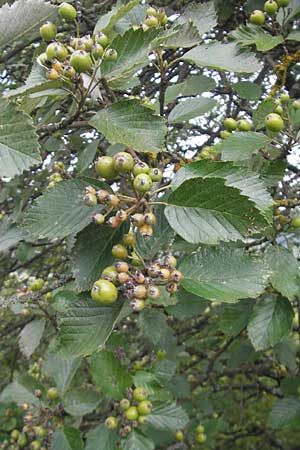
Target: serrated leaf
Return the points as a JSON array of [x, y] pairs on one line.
[[31, 336], [134, 17], [170, 417], [108, 438], [18, 393], [242, 145], [137, 441], [183, 36], [61, 370], [129, 123], [285, 271], [92, 252], [21, 21], [109, 374], [19, 147], [86, 157], [79, 402], [250, 34], [10, 235], [222, 57], [224, 274], [202, 15], [67, 438], [294, 36], [248, 90], [191, 108], [85, 327], [285, 412], [206, 210], [259, 114], [234, 317], [153, 325], [60, 211], [196, 84], [107, 22], [188, 305], [270, 321]]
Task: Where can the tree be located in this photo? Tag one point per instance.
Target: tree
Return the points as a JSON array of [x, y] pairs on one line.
[[149, 166]]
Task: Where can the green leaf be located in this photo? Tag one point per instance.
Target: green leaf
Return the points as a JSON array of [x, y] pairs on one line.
[[67, 438], [86, 157], [107, 22], [92, 252], [206, 210], [202, 15], [224, 274], [285, 271], [60, 211], [259, 114], [234, 317], [19, 393], [109, 374], [196, 84], [183, 36], [191, 108], [21, 21], [188, 305], [108, 439], [31, 336], [19, 147], [170, 417], [222, 57], [270, 321], [242, 145], [294, 36], [286, 412], [134, 17], [79, 402], [250, 34], [61, 370], [153, 325], [137, 441], [129, 123], [286, 15], [10, 235], [248, 90], [85, 327]]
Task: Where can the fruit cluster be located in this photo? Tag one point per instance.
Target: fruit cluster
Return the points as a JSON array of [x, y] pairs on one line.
[[201, 436], [271, 7], [155, 18], [230, 124], [137, 285], [131, 411], [57, 175]]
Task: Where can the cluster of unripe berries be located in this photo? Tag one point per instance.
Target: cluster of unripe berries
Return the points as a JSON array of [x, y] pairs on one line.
[[138, 285], [132, 411], [57, 175], [200, 435], [271, 7], [230, 124], [155, 18], [66, 60]]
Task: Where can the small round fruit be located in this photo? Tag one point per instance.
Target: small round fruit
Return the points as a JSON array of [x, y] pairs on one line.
[[142, 420], [52, 74], [88, 42], [161, 354], [121, 267], [179, 436], [102, 195], [140, 292], [142, 183], [119, 251], [155, 174], [151, 21], [41, 431], [271, 7], [274, 122], [200, 429], [113, 200], [90, 199], [57, 65], [110, 54], [140, 394], [172, 288], [146, 231], [35, 445], [81, 61], [99, 219], [283, 3], [279, 110], [132, 413], [225, 134], [257, 17], [296, 104], [15, 434], [69, 71], [296, 222], [97, 51], [113, 222], [164, 274], [244, 125], [137, 304], [101, 39], [56, 50], [129, 240], [22, 440], [111, 423], [48, 31], [124, 404], [104, 292], [36, 285], [42, 58], [284, 98], [150, 218], [123, 162], [201, 438], [140, 167], [176, 275], [123, 278], [138, 219], [67, 12], [153, 292], [150, 11], [230, 124], [110, 273], [144, 407], [52, 393]]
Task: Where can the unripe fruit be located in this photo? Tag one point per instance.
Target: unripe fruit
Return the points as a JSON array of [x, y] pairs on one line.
[[129, 239], [52, 74], [113, 200], [140, 292], [104, 292], [137, 219], [110, 273], [284, 98], [151, 21], [124, 404], [149, 218], [155, 174], [40, 431], [283, 3], [140, 394], [56, 50], [146, 231], [279, 110], [81, 61], [69, 71], [88, 42], [35, 445], [161, 354], [271, 7], [111, 423], [274, 122], [102, 195], [164, 274], [172, 288], [144, 407], [67, 12], [97, 51], [22, 440], [162, 17], [101, 39], [137, 304], [42, 58], [154, 270], [119, 251], [176, 275], [142, 420], [244, 125], [296, 222], [201, 438], [122, 277], [52, 393], [225, 134], [171, 261], [98, 219], [142, 183], [153, 292], [151, 11], [257, 17], [36, 285], [123, 162], [132, 413], [121, 266], [139, 278], [57, 65], [179, 436], [48, 31], [200, 429], [140, 167], [90, 199], [77, 44], [296, 104], [230, 124], [110, 54], [122, 215], [105, 167], [15, 435]]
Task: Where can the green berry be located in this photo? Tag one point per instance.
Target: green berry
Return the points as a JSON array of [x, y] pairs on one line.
[[296, 222], [271, 7], [144, 407], [132, 413], [42, 58], [110, 54], [81, 61], [55, 50], [104, 292], [284, 98], [22, 440], [105, 167], [129, 240], [200, 429], [110, 273], [124, 404], [201, 438], [101, 39], [97, 51], [35, 445], [99, 219], [244, 125], [142, 420], [119, 251], [296, 104], [257, 17], [52, 393], [230, 124], [140, 167], [88, 42], [279, 110], [274, 122], [140, 394], [225, 134], [151, 21], [90, 199], [67, 12], [150, 11], [123, 162], [179, 436], [15, 435], [142, 183], [40, 431], [69, 71], [36, 285], [111, 423], [48, 31], [155, 174]]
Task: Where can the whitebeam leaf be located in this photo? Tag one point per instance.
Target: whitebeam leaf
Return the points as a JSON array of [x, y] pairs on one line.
[[21, 21], [224, 274], [137, 441], [107, 22], [31, 336], [191, 108], [130, 123], [19, 147], [170, 417], [203, 16], [241, 146]]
